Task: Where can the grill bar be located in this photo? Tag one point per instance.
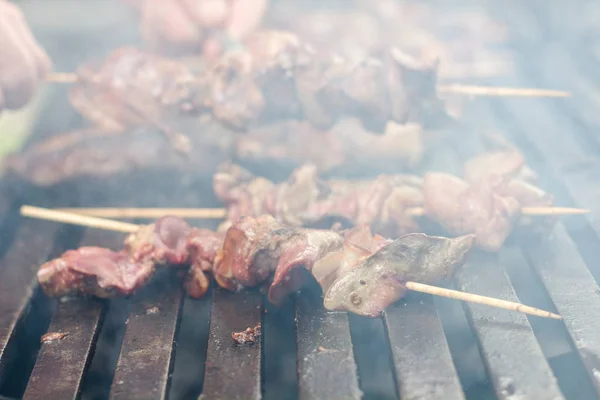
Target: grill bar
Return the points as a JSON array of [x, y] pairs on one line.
[[505, 338], [144, 366], [326, 366], [32, 245], [233, 372], [61, 365], [557, 261], [422, 360]]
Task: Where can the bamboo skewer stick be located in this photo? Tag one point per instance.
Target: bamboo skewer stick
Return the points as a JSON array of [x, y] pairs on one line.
[[475, 298], [219, 213], [76, 219], [500, 91], [472, 90], [128, 213], [107, 224]]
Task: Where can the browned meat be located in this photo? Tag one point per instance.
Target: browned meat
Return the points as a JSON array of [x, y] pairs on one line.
[[95, 271], [463, 209], [102, 154], [132, 88], [304, 198], [376, 281], [359, 29], [98, 153], [276, 76], [254, 248], [249, 336]]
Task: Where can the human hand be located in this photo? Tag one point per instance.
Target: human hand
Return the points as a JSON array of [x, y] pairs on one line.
[[194, 25], [23, 63]]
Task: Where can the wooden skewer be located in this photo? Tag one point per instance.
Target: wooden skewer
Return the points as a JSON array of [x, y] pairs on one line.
[[475, 298], [62, 77], [128, 213], [107, 224], [76, 219], [501, 91], [536, 211], [472, 90], [219, 213]]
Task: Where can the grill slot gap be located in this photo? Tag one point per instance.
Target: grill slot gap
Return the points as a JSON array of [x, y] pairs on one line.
[[373, 357], [192, 343], [98, 379], [280, 379], [466, 355]]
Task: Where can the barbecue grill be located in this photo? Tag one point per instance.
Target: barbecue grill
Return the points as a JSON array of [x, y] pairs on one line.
[[162, 344]]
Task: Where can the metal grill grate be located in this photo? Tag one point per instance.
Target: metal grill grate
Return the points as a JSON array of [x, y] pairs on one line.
[[120, 349]]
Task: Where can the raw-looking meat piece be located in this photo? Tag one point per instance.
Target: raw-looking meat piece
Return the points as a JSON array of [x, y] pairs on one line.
[[94, 271], [478, 209]]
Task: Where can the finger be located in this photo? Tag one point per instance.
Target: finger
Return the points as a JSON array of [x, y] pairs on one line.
[[244, 17], [18, 72], [166, 21], [208, 14], [43, 62]]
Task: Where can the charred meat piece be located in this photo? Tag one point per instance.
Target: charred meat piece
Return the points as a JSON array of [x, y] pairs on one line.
[[478, 209], [276, 76], [249, 336], [95, 271], [254, 248], [305, 198], [377, 281]]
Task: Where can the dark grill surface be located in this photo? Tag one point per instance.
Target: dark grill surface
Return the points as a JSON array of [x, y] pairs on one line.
[[161, 344]]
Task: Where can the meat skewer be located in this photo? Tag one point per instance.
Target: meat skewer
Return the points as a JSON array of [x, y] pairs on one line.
[[326, 253], [275, 76], [469, 90], [489, 205]]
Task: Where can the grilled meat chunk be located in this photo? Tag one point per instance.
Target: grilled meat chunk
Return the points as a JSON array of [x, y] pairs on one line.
[[305, 198], [376, 281], [95, 271], [463, 209]]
